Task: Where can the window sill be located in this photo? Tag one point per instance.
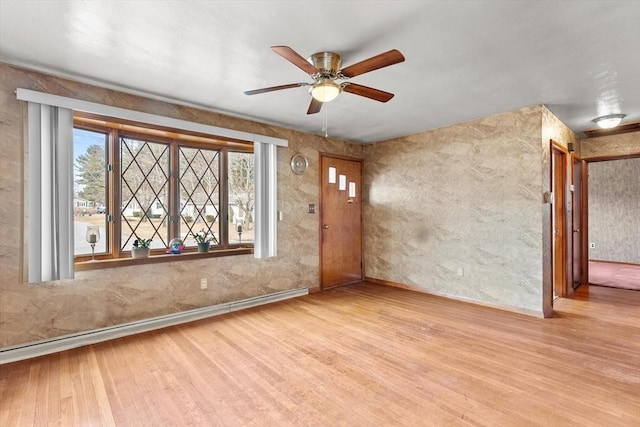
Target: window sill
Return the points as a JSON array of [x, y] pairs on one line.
[[157, 259]]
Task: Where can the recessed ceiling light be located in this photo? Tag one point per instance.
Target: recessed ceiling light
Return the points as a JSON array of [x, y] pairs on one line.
[[610, 121]]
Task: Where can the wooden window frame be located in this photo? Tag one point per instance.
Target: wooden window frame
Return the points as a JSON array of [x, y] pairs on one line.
[[176, 138]]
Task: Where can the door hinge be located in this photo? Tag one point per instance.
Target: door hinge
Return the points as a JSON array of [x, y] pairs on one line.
[[109, 168], [109, 218]]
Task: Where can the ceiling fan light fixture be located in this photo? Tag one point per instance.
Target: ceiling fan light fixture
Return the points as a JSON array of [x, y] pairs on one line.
[[609, 121], [325, 90]]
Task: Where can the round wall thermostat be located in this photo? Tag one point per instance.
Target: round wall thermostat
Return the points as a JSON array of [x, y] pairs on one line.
[[299, 164]]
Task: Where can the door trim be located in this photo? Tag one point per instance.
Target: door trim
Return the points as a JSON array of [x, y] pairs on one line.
[[584, 234], [561, 290], [585, 204]]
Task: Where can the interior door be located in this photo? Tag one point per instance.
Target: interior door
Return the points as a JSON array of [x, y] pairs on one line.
[[578, 270], [340, 221], [559, 171]]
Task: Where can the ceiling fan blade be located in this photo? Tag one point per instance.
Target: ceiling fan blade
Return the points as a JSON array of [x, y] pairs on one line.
[[314, 107], [272, 88], [379, 61], [367, 92], [292, 56]]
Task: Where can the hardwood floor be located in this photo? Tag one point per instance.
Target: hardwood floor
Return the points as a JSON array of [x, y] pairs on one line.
[[360, 355]]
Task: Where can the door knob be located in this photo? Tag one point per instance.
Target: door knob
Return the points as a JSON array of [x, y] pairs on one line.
[[325, 226]]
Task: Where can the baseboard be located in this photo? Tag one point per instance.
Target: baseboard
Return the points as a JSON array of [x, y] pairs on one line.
[[67, 342], [615, 262], [533, 313]]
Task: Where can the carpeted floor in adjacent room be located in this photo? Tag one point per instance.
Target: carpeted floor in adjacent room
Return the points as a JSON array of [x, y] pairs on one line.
[[614, 275]]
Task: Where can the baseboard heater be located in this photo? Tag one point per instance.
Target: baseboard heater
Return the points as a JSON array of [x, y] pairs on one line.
[[67, 342]]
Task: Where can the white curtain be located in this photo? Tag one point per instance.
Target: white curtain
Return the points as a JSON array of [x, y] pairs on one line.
[[50, 193], [266, 204]]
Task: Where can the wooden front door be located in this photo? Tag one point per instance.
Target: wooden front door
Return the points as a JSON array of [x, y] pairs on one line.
[[558, 176], [340, 221]]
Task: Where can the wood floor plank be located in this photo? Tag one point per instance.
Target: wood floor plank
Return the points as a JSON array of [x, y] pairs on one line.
[[358, 355]]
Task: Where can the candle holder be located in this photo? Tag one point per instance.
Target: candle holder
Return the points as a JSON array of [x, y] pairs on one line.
[[239, 230], [93, 237]]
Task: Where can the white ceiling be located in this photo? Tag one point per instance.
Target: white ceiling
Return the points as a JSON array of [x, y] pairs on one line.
[[464, 59]]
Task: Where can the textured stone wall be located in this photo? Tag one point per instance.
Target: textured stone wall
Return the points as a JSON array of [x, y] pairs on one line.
[[623, 144], [458, 210], [102, 298]]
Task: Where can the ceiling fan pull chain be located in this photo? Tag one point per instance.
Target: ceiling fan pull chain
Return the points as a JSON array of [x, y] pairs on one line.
[[326, 126]]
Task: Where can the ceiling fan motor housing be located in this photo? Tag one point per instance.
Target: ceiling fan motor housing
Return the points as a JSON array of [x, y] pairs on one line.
[[329, 63]]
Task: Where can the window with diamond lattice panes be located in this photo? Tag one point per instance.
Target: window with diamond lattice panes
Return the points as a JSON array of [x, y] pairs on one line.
[[145, 192], [161, 185], [199, 194]]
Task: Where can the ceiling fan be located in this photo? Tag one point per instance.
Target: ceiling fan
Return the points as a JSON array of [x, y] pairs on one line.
[[325, 70]]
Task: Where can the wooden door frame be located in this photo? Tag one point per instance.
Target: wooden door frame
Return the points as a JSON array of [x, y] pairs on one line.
[[321, 155], [567, 252], [584, 218]]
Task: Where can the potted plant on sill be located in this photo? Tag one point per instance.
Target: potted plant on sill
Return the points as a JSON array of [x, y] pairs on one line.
[[203, 238], [140, 248]]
